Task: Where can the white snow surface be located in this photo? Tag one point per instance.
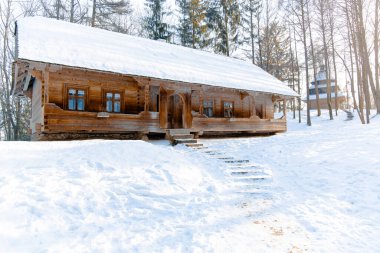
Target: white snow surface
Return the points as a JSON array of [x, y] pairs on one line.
[[53, 41], [133, 196]]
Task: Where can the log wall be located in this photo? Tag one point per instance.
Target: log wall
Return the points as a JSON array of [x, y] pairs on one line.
[[147, 106]]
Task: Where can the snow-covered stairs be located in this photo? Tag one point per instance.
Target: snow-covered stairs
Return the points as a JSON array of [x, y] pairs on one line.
[[180, 136], [247, 177]]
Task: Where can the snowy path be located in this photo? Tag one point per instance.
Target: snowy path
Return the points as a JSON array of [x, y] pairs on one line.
[[325, 181], [248, 178]]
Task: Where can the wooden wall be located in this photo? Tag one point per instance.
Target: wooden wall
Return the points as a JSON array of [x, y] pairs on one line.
[[96, 84], [252, 112]]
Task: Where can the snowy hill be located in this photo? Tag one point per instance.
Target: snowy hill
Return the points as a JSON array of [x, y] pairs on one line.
[[133, 196]]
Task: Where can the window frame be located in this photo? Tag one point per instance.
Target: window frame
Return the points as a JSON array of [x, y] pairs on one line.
[[66, 97], [104, 100], [224, 108], [213, 107]]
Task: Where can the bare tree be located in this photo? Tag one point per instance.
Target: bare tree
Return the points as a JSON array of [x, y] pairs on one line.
[[322, 6], [331, 16], [313, 58], [13, 120], [376, 49]]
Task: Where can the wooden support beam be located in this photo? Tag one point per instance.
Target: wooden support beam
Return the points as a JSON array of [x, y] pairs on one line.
[[187, 117], [284, 107], [45, 86], [147, 98], [253, 106], [163, 109], [201, 102]]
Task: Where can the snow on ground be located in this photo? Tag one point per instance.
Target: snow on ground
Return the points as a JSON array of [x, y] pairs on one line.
[[326, 182], [133, 196]]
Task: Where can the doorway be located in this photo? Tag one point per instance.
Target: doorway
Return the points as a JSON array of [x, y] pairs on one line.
[[175, 112]]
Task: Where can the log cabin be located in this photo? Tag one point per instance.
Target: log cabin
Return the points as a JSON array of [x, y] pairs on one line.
[[85, 82]]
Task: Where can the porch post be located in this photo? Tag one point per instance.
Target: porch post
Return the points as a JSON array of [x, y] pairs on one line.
[[45, 85], [163, 108], [253, 106], [147, 98], [187, 118], [284, 108], [201, 102]]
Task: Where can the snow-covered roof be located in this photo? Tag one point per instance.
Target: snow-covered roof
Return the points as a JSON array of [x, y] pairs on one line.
[[53, 41]]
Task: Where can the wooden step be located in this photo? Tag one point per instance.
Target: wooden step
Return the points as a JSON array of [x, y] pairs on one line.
[[249, 172], [194, 145], [224, 158], [182, 136], [178, 131], [252, 177], [184, 141], [245, 165], [237, 161]]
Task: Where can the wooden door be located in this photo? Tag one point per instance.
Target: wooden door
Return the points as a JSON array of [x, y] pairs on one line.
[[175, 112]]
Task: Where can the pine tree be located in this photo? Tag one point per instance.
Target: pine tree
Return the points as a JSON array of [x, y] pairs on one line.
[[192, 29], [184, 27], [224, 18], [154, 21]]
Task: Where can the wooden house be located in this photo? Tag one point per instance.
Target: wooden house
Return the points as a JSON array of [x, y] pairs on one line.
[[322, 92], [86, 82]]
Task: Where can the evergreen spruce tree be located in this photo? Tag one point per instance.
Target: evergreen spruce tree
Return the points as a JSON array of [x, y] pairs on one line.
[[154, 23], [224, 18], [184, 26], [193, 30]]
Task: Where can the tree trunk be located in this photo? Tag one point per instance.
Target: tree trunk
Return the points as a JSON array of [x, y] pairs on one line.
[[93, 13], [226, 30], [314, 63], [322, 11], [72, 5], [304, 30], [298, 78], [252, 36], [331, 17], [376, 49], [293, 101]]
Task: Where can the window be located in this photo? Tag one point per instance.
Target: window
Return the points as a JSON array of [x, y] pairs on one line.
[[113, 101], [208, 108], [228, 109], [76, 99]]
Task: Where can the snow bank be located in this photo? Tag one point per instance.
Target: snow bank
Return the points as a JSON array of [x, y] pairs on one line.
[[103, 196], [53, 41], [326, 187], [131, 196]]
